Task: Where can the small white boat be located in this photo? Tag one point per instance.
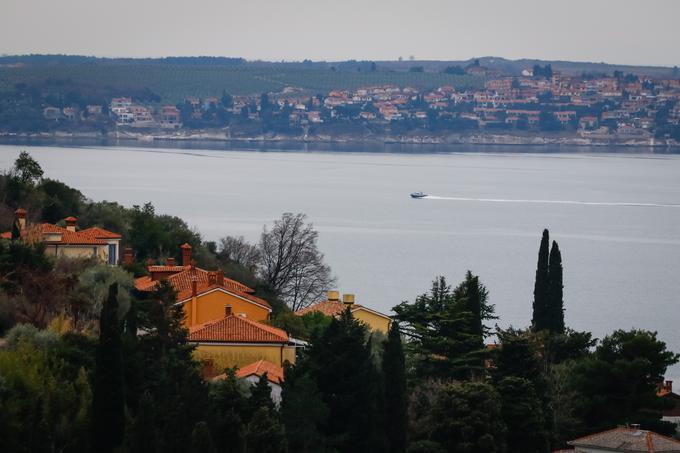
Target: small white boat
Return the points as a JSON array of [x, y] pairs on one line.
[[418, 195]]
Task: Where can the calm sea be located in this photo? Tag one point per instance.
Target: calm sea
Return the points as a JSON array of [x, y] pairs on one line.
[[615, 216]]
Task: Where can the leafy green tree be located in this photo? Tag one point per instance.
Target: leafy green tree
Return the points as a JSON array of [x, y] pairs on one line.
[[541, 285], [265, 433], [303, 410], [60, 201], [228, 407], [522, 411], [443, 332], [261, 395], [461, 417], [142, 432], [555, 306], [342, 367], [27, 170], [617, 384], [201, 439], [396, 403], [108, 404]]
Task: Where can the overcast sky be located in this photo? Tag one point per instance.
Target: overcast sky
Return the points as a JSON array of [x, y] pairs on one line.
[[613, 31]]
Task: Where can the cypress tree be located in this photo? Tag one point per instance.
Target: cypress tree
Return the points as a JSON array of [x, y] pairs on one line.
[[261, 395], [555, 312], [16, 230], [108, 401], [539, 320], [394, 370]]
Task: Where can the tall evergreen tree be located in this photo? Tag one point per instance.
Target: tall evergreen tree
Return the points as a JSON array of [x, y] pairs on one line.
[[108, 403], [341, 364], [444, 328], [261, 395], [555, 308], [539, 320], [394, 370], [302, 410], [523, 414]]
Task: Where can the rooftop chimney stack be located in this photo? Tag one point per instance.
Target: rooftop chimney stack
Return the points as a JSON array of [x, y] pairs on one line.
[[21, 218], [348, 300], [212, 278], [220, 277], [669, 386], [194, 286], [71, 223], [128, 256], [334, 296], [186, 254], [171, 262]]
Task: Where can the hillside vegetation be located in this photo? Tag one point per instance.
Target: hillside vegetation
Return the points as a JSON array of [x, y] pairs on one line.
[[173, 82]]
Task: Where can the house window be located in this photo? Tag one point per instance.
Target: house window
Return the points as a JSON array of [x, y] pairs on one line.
[[94, 252], [112, 254]]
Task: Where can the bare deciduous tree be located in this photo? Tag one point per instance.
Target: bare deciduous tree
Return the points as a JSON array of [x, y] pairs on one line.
[[239, 251], [291, 263]]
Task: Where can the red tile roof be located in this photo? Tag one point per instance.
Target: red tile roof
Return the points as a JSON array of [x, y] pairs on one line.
[[236, 329], [89, 236], [629, 440], [182, 280], [100, 233], [333, 308], [274, 372]]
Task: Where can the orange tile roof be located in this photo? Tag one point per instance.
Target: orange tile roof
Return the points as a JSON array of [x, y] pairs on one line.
[[236, 329], [6, 235], [185, 275], [89, 236], [100, 233], [629, 440], [334, 308], [274, 372]]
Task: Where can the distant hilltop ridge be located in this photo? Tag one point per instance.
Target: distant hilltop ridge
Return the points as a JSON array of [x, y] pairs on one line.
[[500, 64]]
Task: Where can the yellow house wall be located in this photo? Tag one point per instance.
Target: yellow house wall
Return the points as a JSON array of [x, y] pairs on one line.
[[373, 321], [75, 251], [227, 356], [210, 307]]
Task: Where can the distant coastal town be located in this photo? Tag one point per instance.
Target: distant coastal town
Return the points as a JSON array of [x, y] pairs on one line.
[[540, 106]]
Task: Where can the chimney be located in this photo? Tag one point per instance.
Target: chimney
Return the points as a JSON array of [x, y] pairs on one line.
[[220, 277], [171, 262], [227, 311], [186, 254], [212, 278], [348, 300], [194, 286], [21, 218], [128, 256], [334, 296], [71, 223], [669, 386]]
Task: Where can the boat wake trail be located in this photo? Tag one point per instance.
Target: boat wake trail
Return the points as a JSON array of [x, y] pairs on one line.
[[568, 202]]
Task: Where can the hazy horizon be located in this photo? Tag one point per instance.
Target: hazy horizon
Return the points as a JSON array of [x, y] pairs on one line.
[[607, 31]]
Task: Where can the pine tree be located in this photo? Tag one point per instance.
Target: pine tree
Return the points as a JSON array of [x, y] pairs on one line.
[[555, 311], [394, 370], [201, 440], [341, 365], [261, 395], [265, 433], [16, 230], [539, 320], [108, 405], [302, 410]]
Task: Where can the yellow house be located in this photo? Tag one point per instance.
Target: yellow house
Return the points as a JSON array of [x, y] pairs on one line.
[[69, 242], [373, 319], [238, 341], [205, 295]]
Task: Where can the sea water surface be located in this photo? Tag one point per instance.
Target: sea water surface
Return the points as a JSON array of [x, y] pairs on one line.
[[616, 218]]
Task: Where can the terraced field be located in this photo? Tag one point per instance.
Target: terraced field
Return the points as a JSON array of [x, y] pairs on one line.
[[175, 82]]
